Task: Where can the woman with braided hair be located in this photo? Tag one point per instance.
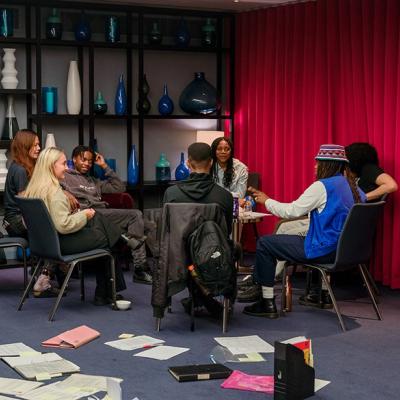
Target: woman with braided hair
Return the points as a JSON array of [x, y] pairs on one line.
[[328, 201]]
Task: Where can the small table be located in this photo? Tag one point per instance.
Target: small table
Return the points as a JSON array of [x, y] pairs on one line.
[[245, 217]]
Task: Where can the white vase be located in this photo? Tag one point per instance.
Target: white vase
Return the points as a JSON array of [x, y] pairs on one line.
[[50, 141], [3, 168], [9, 73], [74, 97]]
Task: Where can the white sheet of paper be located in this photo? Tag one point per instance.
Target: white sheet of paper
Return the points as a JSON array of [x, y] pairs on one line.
[[49, 392], [6, 398], [162, 352], [137, 342], [245, 344], [14, 349], [114, 391], [294, 340], [34, 359], [17, 386], [319, 384]]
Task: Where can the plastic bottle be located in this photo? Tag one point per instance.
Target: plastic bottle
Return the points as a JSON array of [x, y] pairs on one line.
[[197, 280], [163, 170], [235, 207]]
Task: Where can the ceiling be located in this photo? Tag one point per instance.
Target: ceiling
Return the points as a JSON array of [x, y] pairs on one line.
[[214, 5]]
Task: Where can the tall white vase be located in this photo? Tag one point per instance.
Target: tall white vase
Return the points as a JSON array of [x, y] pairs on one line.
[[9, 73], [74, 97], [50, 141], [3, 168]]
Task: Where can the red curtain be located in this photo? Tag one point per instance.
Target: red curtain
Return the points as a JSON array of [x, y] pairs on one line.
[[325, 71]]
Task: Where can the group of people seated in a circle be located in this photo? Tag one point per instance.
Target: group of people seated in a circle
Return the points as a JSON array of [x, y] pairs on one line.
[[73, 198]]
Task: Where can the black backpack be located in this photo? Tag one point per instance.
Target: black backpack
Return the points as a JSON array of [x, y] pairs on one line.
[[212, 257]]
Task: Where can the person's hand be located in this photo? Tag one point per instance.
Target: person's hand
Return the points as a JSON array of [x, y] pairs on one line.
[[259, 196], [99, 160], [89, 213], [242, 202], [73, 202]]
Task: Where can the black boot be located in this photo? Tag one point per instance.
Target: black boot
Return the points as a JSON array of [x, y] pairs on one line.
[[262, 308], [316, 298]]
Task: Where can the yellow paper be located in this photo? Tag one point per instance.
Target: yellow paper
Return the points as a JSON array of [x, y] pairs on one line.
[[125, 335], [29, 353], [252, 357], [43, 376]]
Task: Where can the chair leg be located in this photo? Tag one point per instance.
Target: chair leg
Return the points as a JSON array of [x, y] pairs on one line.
[[225, 315], [169, 309], [62, 290], [82, 281], [283, 293], [158, 324], [373, 283], [113, 284], [25, 266], [363, 269], [30, 285], [335, 306]]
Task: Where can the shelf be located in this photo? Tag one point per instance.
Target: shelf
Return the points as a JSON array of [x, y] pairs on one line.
[[16, 40], [58, 116], [75, 43], [113, 116], [186, 116], [193, 49], [17, 91]]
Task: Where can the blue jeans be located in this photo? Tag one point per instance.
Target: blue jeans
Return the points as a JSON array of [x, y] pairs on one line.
[[271, 248]]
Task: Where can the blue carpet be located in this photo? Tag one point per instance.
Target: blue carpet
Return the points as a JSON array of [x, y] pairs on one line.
[[362, 363]]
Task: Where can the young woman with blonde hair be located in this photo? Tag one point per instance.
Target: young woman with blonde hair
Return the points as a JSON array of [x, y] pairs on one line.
[[79, 231]]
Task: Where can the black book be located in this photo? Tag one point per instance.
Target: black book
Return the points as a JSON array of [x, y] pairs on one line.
[[199, 372]]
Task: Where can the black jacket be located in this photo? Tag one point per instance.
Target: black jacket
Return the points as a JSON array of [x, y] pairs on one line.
[[200, 188]]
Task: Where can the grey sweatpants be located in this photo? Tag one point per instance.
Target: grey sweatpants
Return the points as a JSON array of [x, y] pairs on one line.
[[129, 221]]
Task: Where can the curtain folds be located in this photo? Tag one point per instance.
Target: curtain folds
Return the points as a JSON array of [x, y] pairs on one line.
[[325, 71]]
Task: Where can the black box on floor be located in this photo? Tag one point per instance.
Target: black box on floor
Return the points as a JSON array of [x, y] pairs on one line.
[[199, 372], [294, 379]]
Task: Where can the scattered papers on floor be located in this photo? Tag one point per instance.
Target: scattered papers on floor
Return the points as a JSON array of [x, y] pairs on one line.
[[6, 398], [41, 366], [294, 340], [17, 387], [220, 354], [319, 384], [137, 342], [15, 349], [253, 383], [72, 388], [114, 391], [162, 352], [245, 344], [126, 335]]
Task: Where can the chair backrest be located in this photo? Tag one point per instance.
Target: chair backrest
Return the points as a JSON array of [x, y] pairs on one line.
[[42, 235], [356, 240], [253, 180]]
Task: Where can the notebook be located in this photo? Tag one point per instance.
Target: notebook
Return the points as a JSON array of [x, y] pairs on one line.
[[73, 338], [198, 372]]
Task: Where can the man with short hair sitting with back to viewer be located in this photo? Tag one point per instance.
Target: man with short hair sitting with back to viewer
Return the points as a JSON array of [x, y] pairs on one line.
[[201, 188], [88, 190]]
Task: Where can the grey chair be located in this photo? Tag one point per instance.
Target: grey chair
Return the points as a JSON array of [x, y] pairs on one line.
[[9, 242], [354, 249], [45, 245], [171, 275]]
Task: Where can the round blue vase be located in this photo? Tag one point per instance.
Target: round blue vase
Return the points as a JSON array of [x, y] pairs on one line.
[[182, 34], [133, 168], [182, 171], [83, 32], [120, 97], [199, 97], [165, 104]]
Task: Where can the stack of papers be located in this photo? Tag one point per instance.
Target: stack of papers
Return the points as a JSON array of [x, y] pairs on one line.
[[137, 342], [245, 344], [15, 349], [41, 366], [17, 387]]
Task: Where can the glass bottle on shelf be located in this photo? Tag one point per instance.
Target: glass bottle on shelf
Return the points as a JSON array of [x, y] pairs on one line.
[[163, 170], [182, 171], [146, 105], [54, 25], [208, 37], [155, 36], [10, 127]]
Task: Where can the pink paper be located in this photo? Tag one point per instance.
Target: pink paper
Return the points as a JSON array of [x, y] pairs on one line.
[[253, 383]]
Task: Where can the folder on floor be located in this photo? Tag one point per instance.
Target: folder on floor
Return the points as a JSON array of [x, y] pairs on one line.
[[73, 338], [199, 372]]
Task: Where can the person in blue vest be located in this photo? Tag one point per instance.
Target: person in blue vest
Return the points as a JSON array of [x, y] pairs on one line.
[[328, 201]]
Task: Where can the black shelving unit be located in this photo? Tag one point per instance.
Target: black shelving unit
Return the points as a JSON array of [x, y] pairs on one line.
[[135, 47]]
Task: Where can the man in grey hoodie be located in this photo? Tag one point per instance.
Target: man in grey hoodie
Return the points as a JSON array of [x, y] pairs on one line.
[[88, 191]]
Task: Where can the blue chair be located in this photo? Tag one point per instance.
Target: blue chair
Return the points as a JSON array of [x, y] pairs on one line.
[[355, 247], [21, 243], [44, 244]]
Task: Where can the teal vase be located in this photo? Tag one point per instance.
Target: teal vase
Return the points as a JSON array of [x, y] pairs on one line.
[[100, 106], [163, 169]]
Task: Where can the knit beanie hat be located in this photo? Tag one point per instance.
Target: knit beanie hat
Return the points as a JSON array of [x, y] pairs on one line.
[[331, 152]]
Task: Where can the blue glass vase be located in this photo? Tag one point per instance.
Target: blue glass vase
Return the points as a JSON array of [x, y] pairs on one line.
[[182, 34], [165, 105], [133, 168], [199, 97], [120, 97], [6, 22], [182, 171], [82, 29], [112, 31]]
